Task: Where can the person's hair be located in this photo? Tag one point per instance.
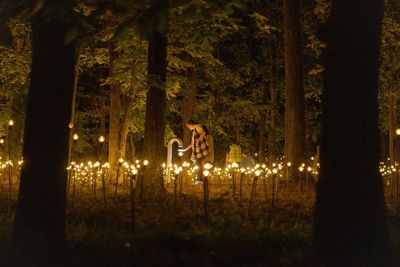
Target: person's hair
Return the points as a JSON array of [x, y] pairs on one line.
[[205, 129], [190, 122]]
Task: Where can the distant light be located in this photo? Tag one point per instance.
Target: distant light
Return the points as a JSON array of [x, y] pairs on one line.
[[75, 137], [145, 162], [207, 166], [11, 122], [398, 131], [101, 139]]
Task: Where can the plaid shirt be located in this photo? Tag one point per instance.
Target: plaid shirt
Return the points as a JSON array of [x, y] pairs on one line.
[[200, 151]]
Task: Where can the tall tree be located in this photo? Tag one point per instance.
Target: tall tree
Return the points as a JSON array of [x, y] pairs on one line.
[[154, 131], [40, 215], [115, 115], [350, 220], [295, 137]]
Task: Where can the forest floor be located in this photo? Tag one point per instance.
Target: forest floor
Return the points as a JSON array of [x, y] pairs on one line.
[[174, 233]]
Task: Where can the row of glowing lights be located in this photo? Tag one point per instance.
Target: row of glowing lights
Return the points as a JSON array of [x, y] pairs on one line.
[[5, 164], [257, 170], [388, 169], [10, 123], [76, 137], [128, 167]]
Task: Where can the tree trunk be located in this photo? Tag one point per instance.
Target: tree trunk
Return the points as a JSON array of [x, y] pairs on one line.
[[261, 125], [295, 137], [115, 118], [350, 219], [189, 100], [392, 127], [272, 132], [71, 124], [127, 105], [154, 131], [40, 215]]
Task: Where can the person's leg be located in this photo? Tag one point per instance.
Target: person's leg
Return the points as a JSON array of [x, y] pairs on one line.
[[200, 173]]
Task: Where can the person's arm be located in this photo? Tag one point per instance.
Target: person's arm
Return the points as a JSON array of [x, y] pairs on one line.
[[185, 149]]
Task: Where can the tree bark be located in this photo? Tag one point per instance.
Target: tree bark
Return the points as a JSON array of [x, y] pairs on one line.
[[154, 129], [295, 137], [262, 141], [350, 227], [127, 103], [40, 215], [189, 100], [71, 124], [392, 127], [273, 90], [115, 118]]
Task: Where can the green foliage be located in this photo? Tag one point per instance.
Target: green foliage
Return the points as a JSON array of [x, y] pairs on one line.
[[390, 67]]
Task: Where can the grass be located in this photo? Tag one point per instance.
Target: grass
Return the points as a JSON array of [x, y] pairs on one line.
[[166, 234]]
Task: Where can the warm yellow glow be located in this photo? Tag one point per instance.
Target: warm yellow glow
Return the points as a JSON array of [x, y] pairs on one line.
[[206, 173], [257, 172], [289, 164], [208, 166], [75, 137], [101, 139], [180, 154], [264, 166], [145, 162], [235, 165], [11, 122], [398, 131]]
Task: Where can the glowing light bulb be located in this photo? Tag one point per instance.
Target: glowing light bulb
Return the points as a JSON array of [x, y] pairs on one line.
[[75, 137], [145, 162], [101, 139], [10, 122], [208, 166]]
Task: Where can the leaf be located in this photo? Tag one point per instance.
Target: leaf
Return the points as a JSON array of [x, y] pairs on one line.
[[238, 4], [6, 37]]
